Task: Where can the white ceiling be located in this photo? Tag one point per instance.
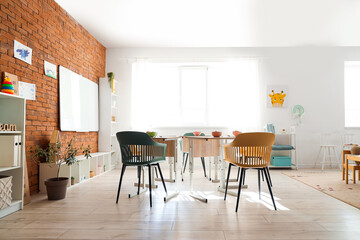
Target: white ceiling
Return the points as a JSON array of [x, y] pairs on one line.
[[218, 23]]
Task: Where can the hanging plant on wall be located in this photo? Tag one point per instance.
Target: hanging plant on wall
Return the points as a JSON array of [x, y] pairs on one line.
[[111, 80]]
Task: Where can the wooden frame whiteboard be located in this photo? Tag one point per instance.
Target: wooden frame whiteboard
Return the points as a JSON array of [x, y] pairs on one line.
[[79, 102]]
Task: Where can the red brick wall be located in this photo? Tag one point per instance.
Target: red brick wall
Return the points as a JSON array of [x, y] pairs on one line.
[[56, 37]]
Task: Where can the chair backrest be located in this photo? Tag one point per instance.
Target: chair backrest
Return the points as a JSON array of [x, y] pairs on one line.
[[138, 148], [250, 149]]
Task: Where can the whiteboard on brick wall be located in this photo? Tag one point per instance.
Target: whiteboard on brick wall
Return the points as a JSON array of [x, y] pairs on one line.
[[78, 102]]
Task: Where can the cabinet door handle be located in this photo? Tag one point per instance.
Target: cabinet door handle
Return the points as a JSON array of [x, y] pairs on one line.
[[19, 143], [16, 144]]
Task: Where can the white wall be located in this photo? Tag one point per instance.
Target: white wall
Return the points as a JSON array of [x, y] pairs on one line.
[[314, 76]]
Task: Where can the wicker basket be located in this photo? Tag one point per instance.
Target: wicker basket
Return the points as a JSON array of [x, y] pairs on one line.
[[5, 191]]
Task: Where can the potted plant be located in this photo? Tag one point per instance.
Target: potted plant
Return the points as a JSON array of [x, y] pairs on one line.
[[72, 180], [111, 80], [53, 153]]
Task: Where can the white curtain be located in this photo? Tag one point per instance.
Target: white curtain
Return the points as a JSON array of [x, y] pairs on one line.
[[223, 93]]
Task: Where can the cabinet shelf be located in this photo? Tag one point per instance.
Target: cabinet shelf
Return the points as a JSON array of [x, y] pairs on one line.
[[3, 169], [10, 132], [109, 120]]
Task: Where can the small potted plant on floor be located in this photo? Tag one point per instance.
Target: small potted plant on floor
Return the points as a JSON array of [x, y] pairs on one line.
[[54, 153], [72, 180]]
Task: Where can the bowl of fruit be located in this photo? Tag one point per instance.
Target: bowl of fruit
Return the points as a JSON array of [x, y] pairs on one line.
[[235, 133], [151, 133], [216, 134]]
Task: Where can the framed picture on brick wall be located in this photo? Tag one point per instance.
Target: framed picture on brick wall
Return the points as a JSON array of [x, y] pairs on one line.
[[50, 69], [22, 52]]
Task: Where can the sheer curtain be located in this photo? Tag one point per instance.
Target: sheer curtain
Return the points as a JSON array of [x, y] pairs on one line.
[[223, 93], [351, 93]]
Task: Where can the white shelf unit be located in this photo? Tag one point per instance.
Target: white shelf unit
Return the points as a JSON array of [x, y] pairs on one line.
[[13, 110], [98, 162], [108, 102], [286, 139]]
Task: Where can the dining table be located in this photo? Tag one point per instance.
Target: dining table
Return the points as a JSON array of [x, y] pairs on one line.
[[206, 146], [346, 157]]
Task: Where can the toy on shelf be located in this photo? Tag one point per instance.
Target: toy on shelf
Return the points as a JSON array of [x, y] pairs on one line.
[[7, 86]]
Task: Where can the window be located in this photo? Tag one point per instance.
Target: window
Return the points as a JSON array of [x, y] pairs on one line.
[[180, 94], [352, 97]]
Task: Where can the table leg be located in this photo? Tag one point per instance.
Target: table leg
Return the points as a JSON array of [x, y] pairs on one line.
[[176, 180], [343, 161], [170, 179], [346, 170], [191, 171], [217, 159], [209, 168]]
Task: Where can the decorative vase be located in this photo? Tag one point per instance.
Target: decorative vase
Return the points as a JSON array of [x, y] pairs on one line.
[[56, 187]]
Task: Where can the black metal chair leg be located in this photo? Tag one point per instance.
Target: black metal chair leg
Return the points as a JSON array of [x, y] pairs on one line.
[[238, 175], [139, 176], [227, 181], [259, 183], [186, 158], [121, 177], [262, 175], [162, 179], [156, 173], [150, 185], [268, 183], [203, 164], [242, 175], [267, 169]]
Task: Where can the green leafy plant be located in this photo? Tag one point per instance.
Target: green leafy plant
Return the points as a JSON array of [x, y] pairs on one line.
[[110, 77], [72, 177], [53, 153]]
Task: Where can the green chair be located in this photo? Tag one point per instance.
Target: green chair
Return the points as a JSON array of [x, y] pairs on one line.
[[186, 155], [138, 149]]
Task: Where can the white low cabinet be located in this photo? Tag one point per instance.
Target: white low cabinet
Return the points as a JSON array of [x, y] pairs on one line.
[[99, 163]]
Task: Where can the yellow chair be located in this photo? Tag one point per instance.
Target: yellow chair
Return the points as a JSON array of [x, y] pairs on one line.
[[250, 150]]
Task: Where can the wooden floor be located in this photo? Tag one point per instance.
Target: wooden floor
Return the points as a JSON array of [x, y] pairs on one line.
[[89, 212]]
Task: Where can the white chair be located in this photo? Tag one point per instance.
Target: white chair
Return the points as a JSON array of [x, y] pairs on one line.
[[347, 140], [328, 150]]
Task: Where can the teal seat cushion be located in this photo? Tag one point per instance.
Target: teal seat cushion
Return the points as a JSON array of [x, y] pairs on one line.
[[282, 147]]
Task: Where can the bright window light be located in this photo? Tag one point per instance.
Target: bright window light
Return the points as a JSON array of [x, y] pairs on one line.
[[185, 94], [352, 97]]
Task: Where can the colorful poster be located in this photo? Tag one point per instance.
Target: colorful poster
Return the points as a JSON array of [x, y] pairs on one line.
[[277, 96], [27, 90], [50, 69], [22, 52]]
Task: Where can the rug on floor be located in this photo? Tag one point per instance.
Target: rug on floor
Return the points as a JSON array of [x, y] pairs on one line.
[[331, 183]]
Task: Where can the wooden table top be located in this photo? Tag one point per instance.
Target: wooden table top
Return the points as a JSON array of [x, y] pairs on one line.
[[209, 137]]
